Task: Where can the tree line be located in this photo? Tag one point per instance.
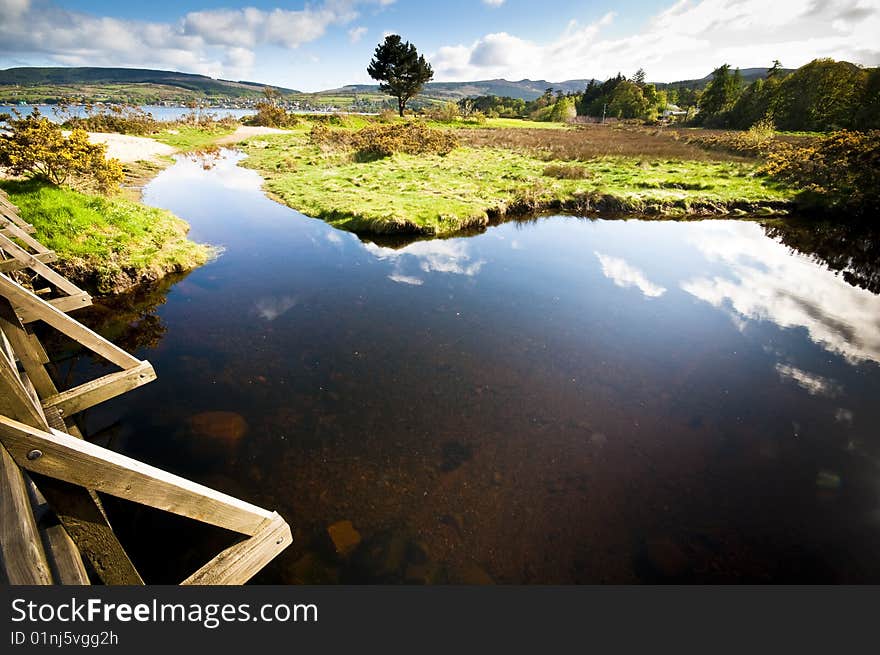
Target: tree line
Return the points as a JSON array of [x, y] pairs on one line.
[[823, 95]]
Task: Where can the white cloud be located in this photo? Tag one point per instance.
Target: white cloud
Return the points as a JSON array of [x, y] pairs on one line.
[[215, 42], [355, 34], [685, 40], [767, 282], [625, 275], [493, 3]]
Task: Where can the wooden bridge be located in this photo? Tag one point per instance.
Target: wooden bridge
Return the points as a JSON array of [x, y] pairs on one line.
[[53, 527]]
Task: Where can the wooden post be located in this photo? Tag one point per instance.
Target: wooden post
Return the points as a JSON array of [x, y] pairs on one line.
[[78, 509]]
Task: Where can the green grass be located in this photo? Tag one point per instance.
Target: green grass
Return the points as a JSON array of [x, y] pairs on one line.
[[107, 244], [191, 138], [444, 194]]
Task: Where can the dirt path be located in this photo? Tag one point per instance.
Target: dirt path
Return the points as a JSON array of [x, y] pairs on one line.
[[246, 131]]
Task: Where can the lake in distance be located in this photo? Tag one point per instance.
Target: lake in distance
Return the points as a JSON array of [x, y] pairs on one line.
[[563, 400]]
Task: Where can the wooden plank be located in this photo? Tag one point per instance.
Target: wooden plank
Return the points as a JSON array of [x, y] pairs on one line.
[[63, 557], [17, 231], [14, 398], [65, 304], [97, 391], [79, 462], [82, 515], [4, 200], [28, 354], [20, 296], [78, 509], [38, 267], [240, 562], [24, 561], [9, 265]]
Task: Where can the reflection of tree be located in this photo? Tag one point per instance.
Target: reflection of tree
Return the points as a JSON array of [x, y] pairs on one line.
[[853, 249], [129, 320]]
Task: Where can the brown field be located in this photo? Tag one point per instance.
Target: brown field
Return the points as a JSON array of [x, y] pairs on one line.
[[589, 141]]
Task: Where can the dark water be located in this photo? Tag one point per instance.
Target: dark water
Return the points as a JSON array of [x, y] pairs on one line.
[[557, 401]]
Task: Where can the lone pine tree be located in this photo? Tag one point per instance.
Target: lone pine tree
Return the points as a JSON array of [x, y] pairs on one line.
[[400, 69]]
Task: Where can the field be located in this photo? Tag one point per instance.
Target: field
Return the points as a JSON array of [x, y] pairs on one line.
[[499, 171]]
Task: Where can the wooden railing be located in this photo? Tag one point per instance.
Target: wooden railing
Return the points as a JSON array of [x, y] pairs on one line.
[[38, 435]]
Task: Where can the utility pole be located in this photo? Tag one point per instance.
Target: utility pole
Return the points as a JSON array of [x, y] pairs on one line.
[[603, 113]]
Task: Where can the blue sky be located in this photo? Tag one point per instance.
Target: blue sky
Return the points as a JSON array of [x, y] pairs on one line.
[[327, 43]]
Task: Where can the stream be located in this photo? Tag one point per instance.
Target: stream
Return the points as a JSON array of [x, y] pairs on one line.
[[560, 400]]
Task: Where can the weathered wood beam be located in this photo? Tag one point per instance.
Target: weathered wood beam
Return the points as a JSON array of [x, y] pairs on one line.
[[78, 509], [51, 315], [63, 557], [23, 558], [17, 229], [97, 391], [10, 265], [38, 267], [79, 462], [26, 349], [241, 561], [64, 304]]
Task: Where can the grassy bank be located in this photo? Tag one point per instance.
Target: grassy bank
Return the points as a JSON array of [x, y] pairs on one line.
[[498, 172], [107, 245]]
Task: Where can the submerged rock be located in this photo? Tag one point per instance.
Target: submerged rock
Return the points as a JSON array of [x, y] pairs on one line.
[[344, 536], [226, 426]]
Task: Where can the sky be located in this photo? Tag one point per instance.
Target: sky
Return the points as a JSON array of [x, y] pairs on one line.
[[324, 44]]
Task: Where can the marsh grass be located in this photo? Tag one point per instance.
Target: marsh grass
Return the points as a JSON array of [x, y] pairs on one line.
[[108, 244], [589, 141], [474, 185]]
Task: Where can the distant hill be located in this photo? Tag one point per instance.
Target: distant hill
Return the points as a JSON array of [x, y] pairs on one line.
[[143, 86], [523, 89], [188, 83]]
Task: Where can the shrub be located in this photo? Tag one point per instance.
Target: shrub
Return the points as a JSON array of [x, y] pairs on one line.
[[563, 111], [377, 141], [271, 115], [448, 112], [387, 115], [840, 172], [566, 172], [35, 147], [123, 119], [476, 118]]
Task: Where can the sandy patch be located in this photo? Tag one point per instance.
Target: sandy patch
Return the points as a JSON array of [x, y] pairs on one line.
[[128, 148], [247, 131]]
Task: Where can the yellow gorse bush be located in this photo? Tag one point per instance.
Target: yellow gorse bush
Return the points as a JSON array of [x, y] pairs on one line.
[[376, 141], [36, 147], [843, 168]]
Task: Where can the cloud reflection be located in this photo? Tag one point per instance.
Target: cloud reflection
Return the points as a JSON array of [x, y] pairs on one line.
[[815, 385], [766, 281], [625, 275], [436, 256], [270, 308]]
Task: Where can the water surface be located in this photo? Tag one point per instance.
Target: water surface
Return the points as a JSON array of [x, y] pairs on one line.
[[554, 401]]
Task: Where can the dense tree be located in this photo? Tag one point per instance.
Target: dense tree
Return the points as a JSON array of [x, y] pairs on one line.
[[400, 69], [564, 110], [719, 95], [823, 95]]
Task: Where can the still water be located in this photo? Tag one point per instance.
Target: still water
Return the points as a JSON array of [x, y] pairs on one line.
[[159, 112], [556, 401]]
